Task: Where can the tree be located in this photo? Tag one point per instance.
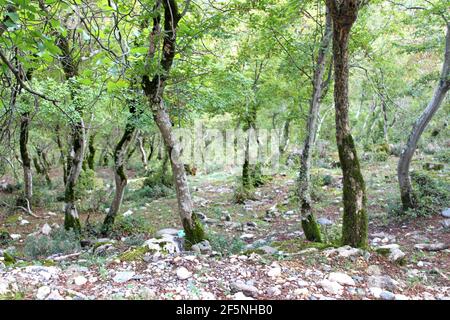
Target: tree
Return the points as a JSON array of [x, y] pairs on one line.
[[355, 221], [309, 225], [408, 198]]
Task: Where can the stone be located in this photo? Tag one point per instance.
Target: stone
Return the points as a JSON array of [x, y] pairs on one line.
[[374, 270], [274, 291], [80, 280], [446, 223], [387, 295], [123, 276], [274, 272], [251, 224], [4, 286], [15, 236], [240, 286], [331, 286], [397, 256], [383, 282], [202, 247], [241, 296], [375, 291], [324, 222], [24, 222], [301, 292], [446, 213], [247, 236], [401, 297], [128, 213], [46, 229], [183, 273], [43, 292], [341, 278], [268, 249], [169, 231], [54, 295]]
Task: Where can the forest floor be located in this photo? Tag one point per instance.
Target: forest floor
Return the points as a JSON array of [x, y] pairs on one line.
[[264, 254]]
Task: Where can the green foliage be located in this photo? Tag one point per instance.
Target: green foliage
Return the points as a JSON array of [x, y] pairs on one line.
[[132, 224], [85, 184], [226, 244], [431, 191], [59, 241]]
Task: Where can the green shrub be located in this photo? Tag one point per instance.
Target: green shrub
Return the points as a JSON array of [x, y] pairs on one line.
[[226, 245], [59, 241], [432, 193], [132, 224], [148, 193], [86, 182]]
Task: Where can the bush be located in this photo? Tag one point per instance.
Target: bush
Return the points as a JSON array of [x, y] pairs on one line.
[[157, 179], [133, 224], [432, 193], [241, 194], [59, 241], [149, 192], [225, 244], [86, 183]]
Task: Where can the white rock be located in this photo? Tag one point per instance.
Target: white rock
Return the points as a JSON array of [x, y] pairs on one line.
[[123, 276], [128, 213], [80, 280], [15, 236], [273, 291], [24, 222], [241, 296], [301, 291], [375, 291], [46, 229], [331, 286], [4, 286], [246, 236], [43, 292], [54, 295], [341, 278], [274, 272], [446, 213], [183, 273], [401, 297]]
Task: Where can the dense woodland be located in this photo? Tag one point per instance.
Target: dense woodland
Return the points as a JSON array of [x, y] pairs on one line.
[[229, 149]]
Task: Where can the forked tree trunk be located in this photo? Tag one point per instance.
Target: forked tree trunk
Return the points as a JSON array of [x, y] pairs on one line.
[[154, 89], [141, 142], [120, 176], [25, 156], [355, 222], [406, 192], [309, 225]]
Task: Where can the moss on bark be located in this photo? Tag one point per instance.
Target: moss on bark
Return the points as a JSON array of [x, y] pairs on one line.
[[193, 230], [311, 229]]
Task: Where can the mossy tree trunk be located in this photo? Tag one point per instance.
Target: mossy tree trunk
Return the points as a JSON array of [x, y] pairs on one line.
[[62, 157], [309, 224], [355, 222], [154, 88], [120, 176], [25, 156], [92, 151], [141, 144], [406, 191]]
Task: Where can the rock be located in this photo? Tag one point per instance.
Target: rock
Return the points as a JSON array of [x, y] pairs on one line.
[[247, 236], [393, 252], [433, 166], [375, 291], [446, 223], [274, 272], [432, 246], [202, 216], [4, 286], [383, 282], [80, 280], [15, 236], [289, 213], [331, 286], [105, 250], [251, 224], [240, 286], [273, 291], [169, 231], [123, 276], [168, 244], [24, 222], [341, 278], [46, 229], [268, 249], [374, 270], [43, 292], [387, 295], [401, 297], [345, 251], [128, 213], [241, 296], [183, 273], [202, 247], [301, 292], [446, 213], [324, 222], [54, 295]]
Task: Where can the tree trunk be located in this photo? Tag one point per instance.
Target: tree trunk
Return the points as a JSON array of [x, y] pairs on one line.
[[154, 89], [406, 192], [76, 154], [355, 222], [92, 150], [62, 157], [284, 137], [25, 157], [309, 225], [120, 176], [141, 142]]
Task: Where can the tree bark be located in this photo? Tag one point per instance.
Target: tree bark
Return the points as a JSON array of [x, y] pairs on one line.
[[309, 225], [141, 141], [25, 156], [154, 89], [120, 176], [92, 150], [406, 193], [355, 222]]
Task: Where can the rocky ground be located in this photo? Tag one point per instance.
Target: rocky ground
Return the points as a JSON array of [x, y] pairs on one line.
[[407, 259]]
